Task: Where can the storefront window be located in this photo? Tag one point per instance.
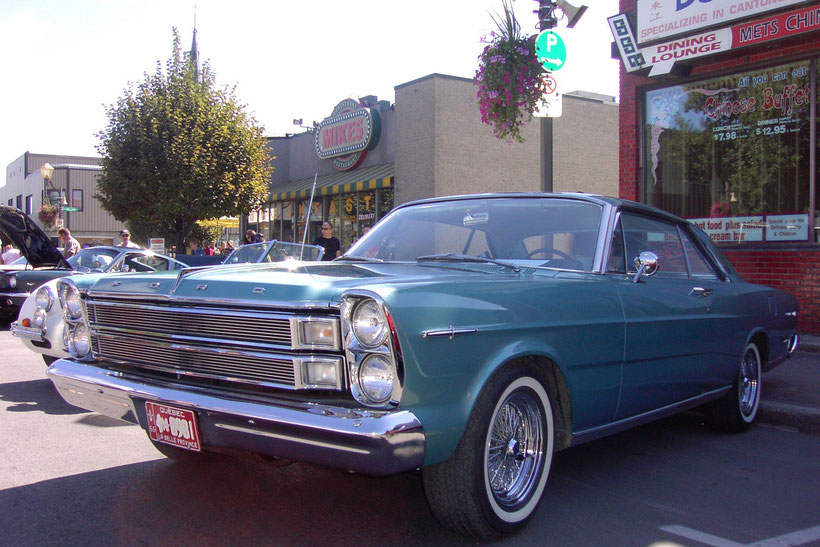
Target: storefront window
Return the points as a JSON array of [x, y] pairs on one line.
[[732, 153], [287, 221]]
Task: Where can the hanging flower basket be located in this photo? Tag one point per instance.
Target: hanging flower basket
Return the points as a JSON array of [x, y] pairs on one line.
[[48, 215], [509, 79]]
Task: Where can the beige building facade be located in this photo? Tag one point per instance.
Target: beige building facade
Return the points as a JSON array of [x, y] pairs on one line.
[[74, 180], [430, 143]]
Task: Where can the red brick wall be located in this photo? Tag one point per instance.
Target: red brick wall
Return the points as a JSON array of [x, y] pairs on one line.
[[794, 270]]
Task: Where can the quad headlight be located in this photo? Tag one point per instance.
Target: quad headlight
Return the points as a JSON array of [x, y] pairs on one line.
[[369, 323], [44, 298], [79, 340], [373, 356], [70, 301]]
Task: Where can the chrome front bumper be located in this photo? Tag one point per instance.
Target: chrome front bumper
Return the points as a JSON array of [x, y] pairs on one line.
[[366, 441], [29, 333]]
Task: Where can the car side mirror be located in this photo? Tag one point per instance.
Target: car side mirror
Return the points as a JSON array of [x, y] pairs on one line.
[[647, 263]]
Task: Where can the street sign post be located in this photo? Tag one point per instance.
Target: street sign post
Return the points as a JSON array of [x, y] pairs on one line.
[[550, 50]]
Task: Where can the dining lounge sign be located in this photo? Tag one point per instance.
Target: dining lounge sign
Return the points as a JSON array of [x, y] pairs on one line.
[[345, 137]]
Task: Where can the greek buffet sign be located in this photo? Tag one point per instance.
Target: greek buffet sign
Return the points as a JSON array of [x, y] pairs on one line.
[[347, 134], [659, 19], [660, 57], [755, 228]]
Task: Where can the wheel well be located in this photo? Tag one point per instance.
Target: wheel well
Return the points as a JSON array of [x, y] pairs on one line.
[[558, 393], [762, 341]]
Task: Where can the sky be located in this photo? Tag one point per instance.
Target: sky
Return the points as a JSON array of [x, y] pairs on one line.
[[63, 61]]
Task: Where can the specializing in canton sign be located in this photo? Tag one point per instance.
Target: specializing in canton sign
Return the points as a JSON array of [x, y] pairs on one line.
[[347, 134], [658, 19], [661, 57]]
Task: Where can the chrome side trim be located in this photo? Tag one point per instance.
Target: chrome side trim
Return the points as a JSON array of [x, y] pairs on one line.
[[367, 441], [451, 332], [594, 433]]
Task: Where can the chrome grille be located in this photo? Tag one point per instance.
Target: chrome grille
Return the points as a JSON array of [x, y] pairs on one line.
[[234, 346], [231, 365], [251, 327]]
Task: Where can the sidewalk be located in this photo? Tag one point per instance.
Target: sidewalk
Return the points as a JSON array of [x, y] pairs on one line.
[[791, 392]]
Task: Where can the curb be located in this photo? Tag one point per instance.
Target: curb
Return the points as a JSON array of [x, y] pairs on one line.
[[803, 419]]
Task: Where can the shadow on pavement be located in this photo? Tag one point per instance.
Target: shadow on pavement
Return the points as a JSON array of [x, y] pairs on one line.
[[36, 396]]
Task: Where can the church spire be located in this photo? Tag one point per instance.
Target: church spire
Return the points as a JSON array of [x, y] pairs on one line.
[[194, 55]]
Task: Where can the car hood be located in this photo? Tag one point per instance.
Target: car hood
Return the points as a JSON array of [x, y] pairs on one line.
[[36, 246], [302, 284]]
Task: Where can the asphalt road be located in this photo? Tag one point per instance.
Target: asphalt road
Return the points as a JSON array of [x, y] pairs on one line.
[[70, 477]]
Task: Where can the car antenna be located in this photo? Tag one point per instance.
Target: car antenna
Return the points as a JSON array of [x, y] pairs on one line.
[[307, 216]]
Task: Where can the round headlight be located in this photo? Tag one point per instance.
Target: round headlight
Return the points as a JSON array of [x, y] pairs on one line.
[[12, 282], [44, 298], [376, 378], [39, 318], [369, 323], [73, 308], [79, 341]]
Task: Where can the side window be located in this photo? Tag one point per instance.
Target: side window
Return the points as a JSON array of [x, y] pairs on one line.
[[617, 258], [698, 264], [646, 234]]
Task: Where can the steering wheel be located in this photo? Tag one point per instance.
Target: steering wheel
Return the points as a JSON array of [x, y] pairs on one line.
[[562, 254]]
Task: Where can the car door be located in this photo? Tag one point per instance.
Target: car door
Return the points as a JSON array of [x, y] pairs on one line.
[[671, 335]]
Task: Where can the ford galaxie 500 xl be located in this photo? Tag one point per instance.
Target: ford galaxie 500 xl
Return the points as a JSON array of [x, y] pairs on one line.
[[470, 337]]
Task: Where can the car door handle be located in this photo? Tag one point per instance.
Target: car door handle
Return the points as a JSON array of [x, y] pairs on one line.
[[700, 291]]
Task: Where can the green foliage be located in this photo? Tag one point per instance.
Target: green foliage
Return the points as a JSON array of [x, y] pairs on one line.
[[177, 150]]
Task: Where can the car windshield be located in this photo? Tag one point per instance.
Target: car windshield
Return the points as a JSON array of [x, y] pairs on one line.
[[273, 251], [559, 233], [93, 258]]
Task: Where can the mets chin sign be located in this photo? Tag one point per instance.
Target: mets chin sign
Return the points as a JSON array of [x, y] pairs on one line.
[[345, 137]]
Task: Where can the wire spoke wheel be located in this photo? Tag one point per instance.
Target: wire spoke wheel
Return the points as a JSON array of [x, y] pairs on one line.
[[515, 448], [749, 382]]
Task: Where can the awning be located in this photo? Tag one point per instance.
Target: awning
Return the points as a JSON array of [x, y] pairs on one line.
[[367, 178]]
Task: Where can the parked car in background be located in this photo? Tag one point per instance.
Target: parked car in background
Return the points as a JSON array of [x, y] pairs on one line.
[[19, 264], [45, 262], [467, 336], [273, 251]]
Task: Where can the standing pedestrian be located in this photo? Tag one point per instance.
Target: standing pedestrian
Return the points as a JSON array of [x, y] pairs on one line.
[[125, 240], [332, 246], [70, 245]]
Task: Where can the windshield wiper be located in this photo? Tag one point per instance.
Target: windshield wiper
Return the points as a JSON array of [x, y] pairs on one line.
[[453, 257], [359, 258]]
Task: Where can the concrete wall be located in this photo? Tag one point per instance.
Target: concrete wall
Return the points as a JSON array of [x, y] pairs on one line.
[[442, 148]]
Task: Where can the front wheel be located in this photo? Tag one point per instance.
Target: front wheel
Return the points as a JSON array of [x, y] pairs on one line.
[[496, 477], [736, 411]]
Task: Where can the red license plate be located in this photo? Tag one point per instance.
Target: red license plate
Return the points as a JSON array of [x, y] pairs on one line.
[[174, 426]]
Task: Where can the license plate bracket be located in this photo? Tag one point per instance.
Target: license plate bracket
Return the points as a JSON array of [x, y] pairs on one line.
[[174, 426]]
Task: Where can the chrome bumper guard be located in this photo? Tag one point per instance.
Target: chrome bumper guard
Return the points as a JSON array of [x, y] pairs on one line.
[[366, 441], [29, 333]]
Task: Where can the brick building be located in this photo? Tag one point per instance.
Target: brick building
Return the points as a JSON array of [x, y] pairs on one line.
[[718, 123]]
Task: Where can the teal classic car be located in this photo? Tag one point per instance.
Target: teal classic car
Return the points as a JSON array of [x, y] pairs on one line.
[[470, 337]]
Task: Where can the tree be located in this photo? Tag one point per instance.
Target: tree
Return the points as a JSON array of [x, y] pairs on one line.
[[177, 150]]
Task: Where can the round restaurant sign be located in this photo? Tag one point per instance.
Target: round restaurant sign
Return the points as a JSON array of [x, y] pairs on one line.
[[345, 137]]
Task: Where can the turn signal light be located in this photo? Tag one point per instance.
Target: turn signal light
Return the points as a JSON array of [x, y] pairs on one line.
[[26, 322]]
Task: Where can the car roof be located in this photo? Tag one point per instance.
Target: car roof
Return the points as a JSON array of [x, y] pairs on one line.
[[618, 203]]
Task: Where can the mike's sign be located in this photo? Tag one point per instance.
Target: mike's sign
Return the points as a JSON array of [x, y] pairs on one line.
[[345, 137]]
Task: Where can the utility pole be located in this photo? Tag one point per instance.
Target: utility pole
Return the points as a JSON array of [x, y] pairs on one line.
[[546, 21]]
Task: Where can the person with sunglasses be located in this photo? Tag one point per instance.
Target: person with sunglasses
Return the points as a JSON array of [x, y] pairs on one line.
[[332, 246]]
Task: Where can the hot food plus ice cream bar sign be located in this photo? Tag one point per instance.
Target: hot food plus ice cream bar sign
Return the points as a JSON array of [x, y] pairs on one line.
[[345, 137]]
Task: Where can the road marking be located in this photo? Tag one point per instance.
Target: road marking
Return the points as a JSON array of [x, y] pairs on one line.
[[800, 537]]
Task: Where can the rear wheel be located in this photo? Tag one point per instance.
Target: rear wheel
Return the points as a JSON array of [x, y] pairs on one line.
[[496, 477], [737, 410]]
